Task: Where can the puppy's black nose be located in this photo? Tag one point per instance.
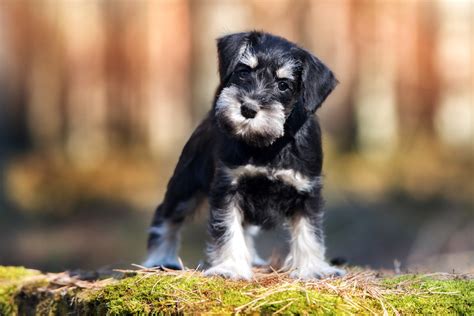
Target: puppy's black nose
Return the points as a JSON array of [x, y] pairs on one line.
[[248, 110]]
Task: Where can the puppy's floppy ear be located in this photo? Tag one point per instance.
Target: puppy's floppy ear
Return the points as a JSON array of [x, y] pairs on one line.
[[228, 51], [317, 80]]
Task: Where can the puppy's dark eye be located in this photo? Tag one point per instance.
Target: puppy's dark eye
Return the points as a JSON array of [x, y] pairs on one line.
[[283, 86], [243, 70]]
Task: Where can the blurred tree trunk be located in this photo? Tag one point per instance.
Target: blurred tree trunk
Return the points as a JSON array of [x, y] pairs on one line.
[[87, 137], [169, 48], [454, 120], [322, 20], [375, 95]]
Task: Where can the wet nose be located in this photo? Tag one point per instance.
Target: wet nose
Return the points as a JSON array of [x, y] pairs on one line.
[[248, 110]]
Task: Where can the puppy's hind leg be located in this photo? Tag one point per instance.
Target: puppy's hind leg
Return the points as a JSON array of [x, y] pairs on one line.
[[163, 244], [186, 189], [181, 200], [164, 234], [250, 232]]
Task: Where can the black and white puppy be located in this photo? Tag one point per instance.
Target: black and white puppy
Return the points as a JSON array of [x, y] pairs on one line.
[[257, 156]]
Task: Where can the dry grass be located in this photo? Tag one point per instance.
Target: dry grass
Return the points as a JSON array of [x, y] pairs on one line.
[[355, 288], [142, 290]]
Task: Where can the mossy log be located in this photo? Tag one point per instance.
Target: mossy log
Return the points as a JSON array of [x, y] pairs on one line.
[[30, 292]]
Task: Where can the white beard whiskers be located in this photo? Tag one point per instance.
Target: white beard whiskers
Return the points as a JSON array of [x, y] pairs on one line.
[[262, 130]]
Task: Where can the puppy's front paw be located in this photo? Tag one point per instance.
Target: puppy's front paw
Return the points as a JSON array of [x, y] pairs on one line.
[[325, 271], [230, 272]]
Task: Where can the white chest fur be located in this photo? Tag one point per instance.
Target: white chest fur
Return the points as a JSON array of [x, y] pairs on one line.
[[290, 177]]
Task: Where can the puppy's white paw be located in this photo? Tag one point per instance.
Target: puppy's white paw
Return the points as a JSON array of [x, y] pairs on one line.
[[259, 262], [168, 264], [230, 272], [325, 271]]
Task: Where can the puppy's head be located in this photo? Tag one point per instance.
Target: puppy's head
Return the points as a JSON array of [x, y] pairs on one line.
[[263, 78]]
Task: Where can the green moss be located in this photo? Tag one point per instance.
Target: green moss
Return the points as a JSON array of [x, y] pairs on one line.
[[433, 296], [10, 280], [186, 292], [171, 294], [15, 273], [168, 294]]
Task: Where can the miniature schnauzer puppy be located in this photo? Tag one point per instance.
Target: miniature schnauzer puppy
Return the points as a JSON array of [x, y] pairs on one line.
[[257, 157]]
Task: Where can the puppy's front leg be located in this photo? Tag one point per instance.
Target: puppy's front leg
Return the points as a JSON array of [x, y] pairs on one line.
[[306, 258], [228, 251]]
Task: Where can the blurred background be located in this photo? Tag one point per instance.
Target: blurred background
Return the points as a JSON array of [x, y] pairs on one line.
[[97, 99]]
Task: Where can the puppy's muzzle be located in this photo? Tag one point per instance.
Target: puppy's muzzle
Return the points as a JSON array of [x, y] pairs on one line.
[[249, 110]]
